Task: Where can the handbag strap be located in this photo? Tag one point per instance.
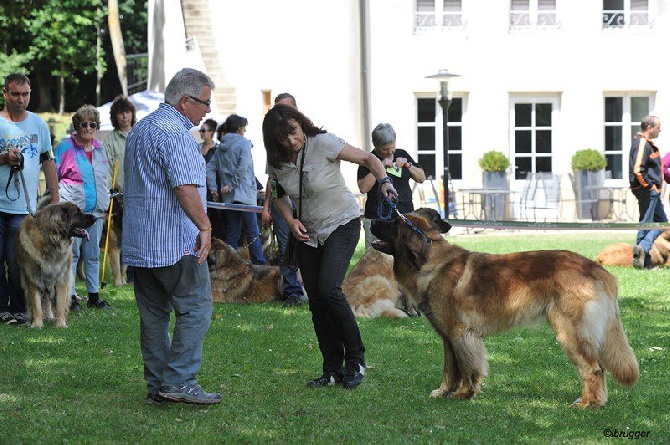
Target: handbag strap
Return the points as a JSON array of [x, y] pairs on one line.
[[302, 163]]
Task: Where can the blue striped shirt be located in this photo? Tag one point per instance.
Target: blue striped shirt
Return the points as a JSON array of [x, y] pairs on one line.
[[160, 155]]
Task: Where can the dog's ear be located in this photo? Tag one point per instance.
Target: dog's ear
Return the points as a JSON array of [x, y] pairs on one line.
[[414, 250], [434, 220]]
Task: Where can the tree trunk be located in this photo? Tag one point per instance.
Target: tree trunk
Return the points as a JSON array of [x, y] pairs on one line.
[[117, 43], [61, 90], [98, 66]]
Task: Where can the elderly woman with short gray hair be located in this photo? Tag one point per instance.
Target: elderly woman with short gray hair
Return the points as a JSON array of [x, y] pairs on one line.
[[83, 168], [400, 167]]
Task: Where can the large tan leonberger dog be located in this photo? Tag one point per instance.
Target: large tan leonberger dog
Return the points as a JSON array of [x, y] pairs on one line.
[[469, 295], [44, 254], [236, 280]]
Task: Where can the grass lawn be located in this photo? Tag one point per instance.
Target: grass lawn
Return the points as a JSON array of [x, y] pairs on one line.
[[84, 384]]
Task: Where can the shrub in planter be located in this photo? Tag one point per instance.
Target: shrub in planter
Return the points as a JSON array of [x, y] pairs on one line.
[[494, 164], [588, 159], [589, 167], [494, 161]]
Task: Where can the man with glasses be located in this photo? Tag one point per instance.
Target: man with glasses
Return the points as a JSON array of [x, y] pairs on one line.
[[166, 238], [25, 144]]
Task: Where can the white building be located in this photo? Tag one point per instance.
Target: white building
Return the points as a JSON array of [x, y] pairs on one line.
[[539, 79]]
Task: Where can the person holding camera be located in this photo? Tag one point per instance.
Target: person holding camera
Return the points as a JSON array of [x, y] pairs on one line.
[[25, 143]]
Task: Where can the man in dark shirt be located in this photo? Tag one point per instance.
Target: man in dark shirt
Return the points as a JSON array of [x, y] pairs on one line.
[[646, 183]]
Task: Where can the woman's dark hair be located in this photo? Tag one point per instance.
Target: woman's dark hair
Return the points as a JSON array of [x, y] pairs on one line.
[[120, 105], [220, 131], [277, 127], [234, 122], [211, 124]]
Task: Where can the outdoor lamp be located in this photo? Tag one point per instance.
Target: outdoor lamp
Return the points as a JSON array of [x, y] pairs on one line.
[[443, 76]]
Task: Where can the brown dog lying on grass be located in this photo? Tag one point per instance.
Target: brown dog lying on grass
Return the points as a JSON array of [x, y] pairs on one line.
[[469, 295], [236, 280], [621, 254], [372, 290]]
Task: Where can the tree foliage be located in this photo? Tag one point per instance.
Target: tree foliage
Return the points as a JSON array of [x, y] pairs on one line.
[[52, 39]]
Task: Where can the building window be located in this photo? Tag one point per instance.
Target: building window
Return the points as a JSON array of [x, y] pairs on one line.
[[430, 152], [625, 13], [444, 14], [532, 135], [623, 114], [526, 14]]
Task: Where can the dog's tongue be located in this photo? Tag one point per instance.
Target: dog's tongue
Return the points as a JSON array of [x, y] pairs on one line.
[[88, 238]]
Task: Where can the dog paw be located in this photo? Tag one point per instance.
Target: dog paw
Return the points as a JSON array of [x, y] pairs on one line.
[[439, 392], [36, 325], [578, 403]]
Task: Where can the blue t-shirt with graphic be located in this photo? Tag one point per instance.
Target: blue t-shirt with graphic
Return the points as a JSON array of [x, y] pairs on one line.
[[31, 136]]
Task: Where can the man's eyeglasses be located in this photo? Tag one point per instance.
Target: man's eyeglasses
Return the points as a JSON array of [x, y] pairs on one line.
[[91, 125], [206, 103]]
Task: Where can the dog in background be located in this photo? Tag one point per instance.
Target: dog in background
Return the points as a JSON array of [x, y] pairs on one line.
[[114, 242], [44, 254], [469, 295], [236, 280], [621, 254], [372, 290]]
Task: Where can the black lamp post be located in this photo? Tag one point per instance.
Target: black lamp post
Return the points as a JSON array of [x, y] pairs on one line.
[[443, 76]]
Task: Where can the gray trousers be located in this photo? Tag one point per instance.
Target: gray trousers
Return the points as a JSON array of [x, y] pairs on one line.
[[186, 288]]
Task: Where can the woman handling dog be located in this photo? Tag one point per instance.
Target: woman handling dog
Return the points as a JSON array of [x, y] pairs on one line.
[[328, 229], [82, 167]]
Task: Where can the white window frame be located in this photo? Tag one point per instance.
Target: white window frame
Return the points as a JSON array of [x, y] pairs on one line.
[[628, 127], [455, 23], [532, 18], [555, 117], [437, 126], [628, 14]]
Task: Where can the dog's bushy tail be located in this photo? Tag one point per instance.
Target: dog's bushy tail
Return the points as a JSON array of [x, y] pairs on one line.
[[614, 352]]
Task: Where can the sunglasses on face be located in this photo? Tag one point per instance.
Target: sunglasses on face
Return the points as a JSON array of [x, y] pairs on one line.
[[203, 130], [91, 125]]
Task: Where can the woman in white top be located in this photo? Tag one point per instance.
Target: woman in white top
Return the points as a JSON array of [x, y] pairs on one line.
[[328, 229]]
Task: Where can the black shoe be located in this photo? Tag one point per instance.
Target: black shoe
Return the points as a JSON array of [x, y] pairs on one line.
[[100, 304], [353, 376], [21, 319], [154, 399], [328, 379], [292, 300], [7, 318], [74, 305]]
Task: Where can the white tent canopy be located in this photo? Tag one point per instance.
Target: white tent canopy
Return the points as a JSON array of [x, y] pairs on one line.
[[145, 101]]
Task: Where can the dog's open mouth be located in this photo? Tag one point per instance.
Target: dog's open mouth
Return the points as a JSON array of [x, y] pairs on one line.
[[79, 233], [382, 246]]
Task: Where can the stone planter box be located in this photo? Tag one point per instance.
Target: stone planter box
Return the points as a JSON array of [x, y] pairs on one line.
[[495, 207], [593, 201]]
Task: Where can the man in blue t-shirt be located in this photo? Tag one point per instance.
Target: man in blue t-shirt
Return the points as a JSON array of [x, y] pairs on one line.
[[25, 142]]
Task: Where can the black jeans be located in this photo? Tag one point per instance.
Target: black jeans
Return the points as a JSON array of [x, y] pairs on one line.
[[323, 269]]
